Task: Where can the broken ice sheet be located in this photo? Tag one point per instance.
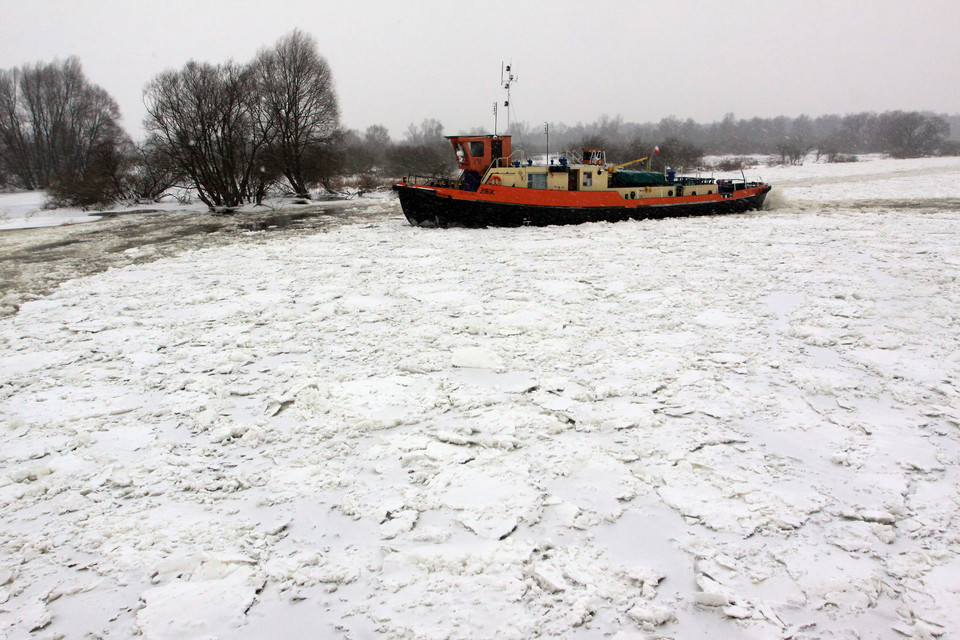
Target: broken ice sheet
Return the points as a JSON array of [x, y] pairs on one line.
[[636, 421], [180, 609], [490, 502]]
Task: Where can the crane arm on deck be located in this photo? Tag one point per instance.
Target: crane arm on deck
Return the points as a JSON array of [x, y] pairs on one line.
[[627, 164]]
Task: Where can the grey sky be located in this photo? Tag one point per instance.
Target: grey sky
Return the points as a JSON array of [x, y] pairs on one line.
[[400, 62]]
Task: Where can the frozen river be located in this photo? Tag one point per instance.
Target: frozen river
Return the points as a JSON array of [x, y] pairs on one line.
[[739, 427]]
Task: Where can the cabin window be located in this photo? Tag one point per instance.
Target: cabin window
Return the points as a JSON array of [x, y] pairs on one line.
[[587, 179], [536, 180], [476, 148]]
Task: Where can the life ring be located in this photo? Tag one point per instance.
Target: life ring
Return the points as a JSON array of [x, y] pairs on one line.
[[495, 180]]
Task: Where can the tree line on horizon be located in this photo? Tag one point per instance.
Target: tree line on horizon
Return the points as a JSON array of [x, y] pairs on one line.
[[900, 134], [232, 133]]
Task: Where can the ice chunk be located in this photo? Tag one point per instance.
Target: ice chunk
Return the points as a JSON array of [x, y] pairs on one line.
[[180, 610], [477, 358], [647, 613], [711, 599], [35, 615], [737, 611], [399, 522], [549, 577]]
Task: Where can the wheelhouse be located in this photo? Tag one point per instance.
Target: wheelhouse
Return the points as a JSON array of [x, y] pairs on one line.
[[476, 154]]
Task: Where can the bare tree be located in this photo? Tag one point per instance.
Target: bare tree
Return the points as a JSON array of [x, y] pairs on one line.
[[424, 151], [430, 131], [365, 155], [376, 140], [16, 143], [58, 130], [301, 115], [152, 172], [911, 134], [53, 97], [206, 120]]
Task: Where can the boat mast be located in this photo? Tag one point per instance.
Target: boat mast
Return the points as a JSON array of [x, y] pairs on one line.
[[546, 130], [506, 79]]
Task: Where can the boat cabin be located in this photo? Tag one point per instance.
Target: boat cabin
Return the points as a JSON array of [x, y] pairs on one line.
[[477, 153]]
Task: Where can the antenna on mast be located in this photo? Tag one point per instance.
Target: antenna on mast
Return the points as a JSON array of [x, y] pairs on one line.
[[506, 79]]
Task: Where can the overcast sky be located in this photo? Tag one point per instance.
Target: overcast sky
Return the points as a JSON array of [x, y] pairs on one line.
[[396, 63]]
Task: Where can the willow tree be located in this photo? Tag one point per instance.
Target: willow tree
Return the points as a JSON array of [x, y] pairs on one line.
[[206, 121], [298, 100], [57, 128]]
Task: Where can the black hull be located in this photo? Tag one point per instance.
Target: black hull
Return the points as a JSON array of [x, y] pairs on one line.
[[423, 207]]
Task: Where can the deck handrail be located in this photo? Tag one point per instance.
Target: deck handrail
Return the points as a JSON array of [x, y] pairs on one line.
[[519, 153]]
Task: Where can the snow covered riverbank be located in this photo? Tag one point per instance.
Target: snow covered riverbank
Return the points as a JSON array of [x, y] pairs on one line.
[[738, 427]]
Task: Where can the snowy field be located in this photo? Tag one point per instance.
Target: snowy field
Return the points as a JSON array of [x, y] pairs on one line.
[[730, 427]]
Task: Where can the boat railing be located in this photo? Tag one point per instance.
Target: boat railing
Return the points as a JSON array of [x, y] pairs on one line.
[[729, 185], [573, 156], [692, 180], [516, 156], [432, 181]]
